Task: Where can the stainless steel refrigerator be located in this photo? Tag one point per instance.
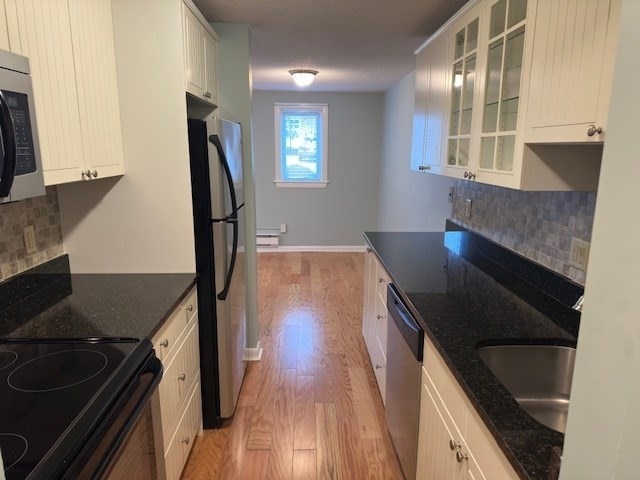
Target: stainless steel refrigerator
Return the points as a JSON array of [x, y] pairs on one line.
[[215, 150]]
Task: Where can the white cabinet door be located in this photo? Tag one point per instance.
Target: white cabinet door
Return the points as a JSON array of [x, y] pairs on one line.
[[95, 64], [573, 56], [42, 32], [369, 302], [194, 53]]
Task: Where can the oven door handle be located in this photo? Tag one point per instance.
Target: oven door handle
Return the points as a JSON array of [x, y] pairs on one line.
[[136, 404], [9, 148]]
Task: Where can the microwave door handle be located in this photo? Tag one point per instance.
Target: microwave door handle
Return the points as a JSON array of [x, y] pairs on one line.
[[9, 156]]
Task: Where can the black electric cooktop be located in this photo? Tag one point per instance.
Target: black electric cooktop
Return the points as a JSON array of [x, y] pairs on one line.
[[50, 389]]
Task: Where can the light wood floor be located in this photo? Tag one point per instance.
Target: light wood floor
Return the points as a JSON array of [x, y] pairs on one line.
[[310, 409]]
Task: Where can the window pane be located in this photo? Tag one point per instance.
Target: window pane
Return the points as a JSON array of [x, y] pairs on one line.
[[498, 14], [472, 36], [459, 46], [517, 11], [300, 145], [467, 102], [492, 87], [487, 151]]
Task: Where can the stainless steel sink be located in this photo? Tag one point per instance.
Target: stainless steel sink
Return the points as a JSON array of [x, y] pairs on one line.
[[538, 376]]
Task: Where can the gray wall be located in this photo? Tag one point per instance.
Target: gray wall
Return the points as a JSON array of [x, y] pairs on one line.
[[408, 200], [332, 216]]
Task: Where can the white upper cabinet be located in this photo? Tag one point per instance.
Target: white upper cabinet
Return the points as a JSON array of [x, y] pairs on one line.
[[525, 78], [200, 55], [432, 106], [70, 48], [573, 55]]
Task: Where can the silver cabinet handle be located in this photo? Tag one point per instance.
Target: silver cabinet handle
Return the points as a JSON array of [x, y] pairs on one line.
[[164, 343], [469, 175], [380, 280], [185, 440], [424, 167], [86, 174], [453, 444], [461, 457], [380, 317], [378, 367], [592, 130], [182, 377], [368, 249], [94, 174], [189, 308], [207, 95]]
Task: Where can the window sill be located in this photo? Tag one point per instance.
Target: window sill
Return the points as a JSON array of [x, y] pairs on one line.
[[321, 184]]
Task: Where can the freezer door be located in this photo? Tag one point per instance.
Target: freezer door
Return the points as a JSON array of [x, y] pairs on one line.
[[230, 137]]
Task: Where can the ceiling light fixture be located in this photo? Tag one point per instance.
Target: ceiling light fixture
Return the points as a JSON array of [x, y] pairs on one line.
[[303, 78]]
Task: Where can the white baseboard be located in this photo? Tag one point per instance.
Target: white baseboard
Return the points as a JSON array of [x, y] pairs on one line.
[[253, 354], [314, 248]]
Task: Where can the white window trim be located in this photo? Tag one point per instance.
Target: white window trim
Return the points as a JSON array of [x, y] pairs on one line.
[[324, 109]]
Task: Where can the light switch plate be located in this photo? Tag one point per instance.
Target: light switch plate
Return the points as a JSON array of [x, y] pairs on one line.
[[29, 234], [579, 253]]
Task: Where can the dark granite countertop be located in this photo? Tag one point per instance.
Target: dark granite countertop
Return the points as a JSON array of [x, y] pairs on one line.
[[464, 290], [48, 302]]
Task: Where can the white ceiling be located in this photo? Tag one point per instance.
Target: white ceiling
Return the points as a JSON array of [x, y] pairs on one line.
[[356, 45]]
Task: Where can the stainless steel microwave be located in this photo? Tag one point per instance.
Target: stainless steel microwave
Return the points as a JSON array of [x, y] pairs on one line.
[[20, 165]]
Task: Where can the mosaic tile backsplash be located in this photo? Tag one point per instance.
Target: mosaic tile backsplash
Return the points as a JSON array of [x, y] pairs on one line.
[[537, 225], [41, 212]]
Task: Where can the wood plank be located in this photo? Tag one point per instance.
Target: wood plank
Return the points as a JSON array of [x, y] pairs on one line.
[[305, 363], [327, 453], [363, 404], [255, 465], [290, 347], [281, 453], [304, 465], [238, 434], [262, 421], [304, 436]]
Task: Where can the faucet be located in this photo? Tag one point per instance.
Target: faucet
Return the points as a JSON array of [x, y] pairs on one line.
[[578, 304]]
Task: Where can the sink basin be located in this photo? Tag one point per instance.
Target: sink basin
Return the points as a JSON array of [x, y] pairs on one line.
[[538, 376]]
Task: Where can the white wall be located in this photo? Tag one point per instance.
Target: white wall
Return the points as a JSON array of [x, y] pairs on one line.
[[143, 221], [407, 201], [336, 215], [603, 430]]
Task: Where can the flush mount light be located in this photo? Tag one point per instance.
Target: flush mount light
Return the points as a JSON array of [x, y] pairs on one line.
[[303, 78]]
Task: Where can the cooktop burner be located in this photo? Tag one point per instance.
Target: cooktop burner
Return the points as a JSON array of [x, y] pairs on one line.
[[13, 448], [7, 359], [45, 385], [57, 370]]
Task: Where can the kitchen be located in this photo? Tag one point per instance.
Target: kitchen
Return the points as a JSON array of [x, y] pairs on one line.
[[134, 218]]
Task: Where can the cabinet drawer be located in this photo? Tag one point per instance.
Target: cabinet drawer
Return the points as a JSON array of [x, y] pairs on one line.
[[182, 440], [380, 370], [381, 323], [166, 340], [178, 377], [382, 280]]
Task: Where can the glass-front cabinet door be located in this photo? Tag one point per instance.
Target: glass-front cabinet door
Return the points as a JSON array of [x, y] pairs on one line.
[[462, 86], [502, 88]]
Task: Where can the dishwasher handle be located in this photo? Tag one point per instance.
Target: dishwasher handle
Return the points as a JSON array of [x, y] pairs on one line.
[[405, 322]]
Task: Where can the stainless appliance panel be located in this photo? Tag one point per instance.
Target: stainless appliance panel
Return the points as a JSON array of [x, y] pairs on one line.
[[404, 362]]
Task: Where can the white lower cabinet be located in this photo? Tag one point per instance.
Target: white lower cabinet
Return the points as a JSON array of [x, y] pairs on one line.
[[176, 406], [453, 442], [374, 318]]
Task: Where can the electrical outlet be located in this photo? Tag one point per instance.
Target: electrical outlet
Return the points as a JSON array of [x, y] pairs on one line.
[[29, 234], [579, 253], [283, 228], [467, 208], [450, 194]]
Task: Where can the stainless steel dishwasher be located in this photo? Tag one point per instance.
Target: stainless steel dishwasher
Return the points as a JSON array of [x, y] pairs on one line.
[[405, 343]]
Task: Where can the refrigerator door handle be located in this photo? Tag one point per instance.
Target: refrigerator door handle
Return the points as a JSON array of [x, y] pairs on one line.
[[227, 172], [232, 265]]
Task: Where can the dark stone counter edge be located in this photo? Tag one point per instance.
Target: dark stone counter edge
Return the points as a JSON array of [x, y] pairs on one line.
[[500, 440], [166, 316]]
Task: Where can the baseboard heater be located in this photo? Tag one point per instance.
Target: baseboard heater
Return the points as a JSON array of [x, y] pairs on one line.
[[267, 237]]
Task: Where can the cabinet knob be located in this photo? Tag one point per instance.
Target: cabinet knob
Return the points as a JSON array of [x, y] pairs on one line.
[[189, 308], [164, 343], [185, 440], [380, 317], [469, 175], [182, 377], [453, 444], [380, 280], [207, 95], [424, 167], [94, 174], [378, 367], [461, 457], [592, 130], [86, 174], [368, 249]]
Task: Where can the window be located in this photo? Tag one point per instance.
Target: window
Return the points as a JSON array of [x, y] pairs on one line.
[[301, 145]]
